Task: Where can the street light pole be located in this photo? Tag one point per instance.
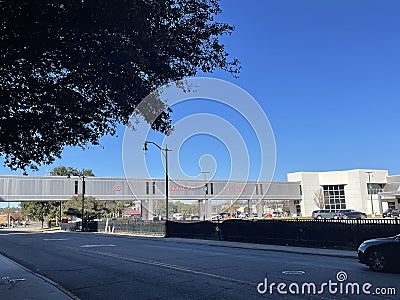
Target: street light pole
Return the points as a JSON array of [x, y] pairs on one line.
[[205, 194], [83, 200], [166, 171], [370, 191], [8, 216], [166, 181]]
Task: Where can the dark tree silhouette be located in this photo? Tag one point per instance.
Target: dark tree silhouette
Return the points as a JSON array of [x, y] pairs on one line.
[[70, 71]]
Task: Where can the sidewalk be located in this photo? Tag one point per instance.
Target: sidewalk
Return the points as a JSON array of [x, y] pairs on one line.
[[274, 248], [17, 282], [261, 247]]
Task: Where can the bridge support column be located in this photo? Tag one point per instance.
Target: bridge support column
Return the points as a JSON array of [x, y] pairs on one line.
[[146, 209], [380, 205], [249, 208], [201, 210], [259, 206], [208, 209]]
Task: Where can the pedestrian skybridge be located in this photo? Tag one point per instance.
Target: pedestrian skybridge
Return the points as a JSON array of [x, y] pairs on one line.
[[58, 188]]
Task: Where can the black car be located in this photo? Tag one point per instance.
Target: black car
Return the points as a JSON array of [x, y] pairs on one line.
[[351, 214], [391, 212], [380, 254]]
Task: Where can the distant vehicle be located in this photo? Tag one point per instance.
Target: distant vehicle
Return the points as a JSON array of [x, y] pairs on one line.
[[324, 214], [195, 218], [351, 214], [380, 254], [177, 217], [277, 214], [267, 216], [216, 217], [391, 212], [187, 217], [226, 216]]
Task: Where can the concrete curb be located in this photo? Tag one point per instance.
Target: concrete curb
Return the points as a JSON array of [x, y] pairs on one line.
[[47, 280]]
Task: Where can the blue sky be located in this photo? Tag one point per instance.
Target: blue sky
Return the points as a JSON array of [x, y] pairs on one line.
[[326, 74]]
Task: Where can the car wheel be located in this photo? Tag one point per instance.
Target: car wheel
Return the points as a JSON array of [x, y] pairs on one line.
[[376, 261], [345, 217], [319, 217]]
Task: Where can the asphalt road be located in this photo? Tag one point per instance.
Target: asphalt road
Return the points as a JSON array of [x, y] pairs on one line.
[[97, 266]]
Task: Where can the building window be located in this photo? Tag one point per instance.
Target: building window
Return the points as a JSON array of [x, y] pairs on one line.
[[76, 187], [261, 189], [391, 205], [375, 188], [212, 188], [298, 210], [147, 188], [256, 189], [334, 197], [154, 187]]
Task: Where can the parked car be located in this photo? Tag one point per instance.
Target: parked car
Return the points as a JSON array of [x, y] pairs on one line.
[[323, 214], [351, 214], [277, 214], [177, 217], [159, 218], [187, 217], [226, 216], [216, 217], [391, 212], [380, 254]]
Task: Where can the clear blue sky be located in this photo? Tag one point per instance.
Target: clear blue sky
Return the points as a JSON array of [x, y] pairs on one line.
[[327, 75]]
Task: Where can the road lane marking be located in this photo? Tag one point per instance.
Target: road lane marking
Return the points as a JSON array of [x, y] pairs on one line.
[[169, 266], [55, 239], [94, 246], [293, 272]]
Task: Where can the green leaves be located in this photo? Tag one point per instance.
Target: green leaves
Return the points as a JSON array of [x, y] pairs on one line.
[[70, 171], [70, 71]]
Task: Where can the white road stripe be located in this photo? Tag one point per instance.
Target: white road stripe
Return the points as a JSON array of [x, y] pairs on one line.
[[168, 266]]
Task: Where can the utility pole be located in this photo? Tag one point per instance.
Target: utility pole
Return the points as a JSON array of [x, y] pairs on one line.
[[9, 216], [166, 171], [83, 200], [205, 194]]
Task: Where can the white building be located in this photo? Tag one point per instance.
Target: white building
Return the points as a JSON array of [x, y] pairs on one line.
[[370, 191]]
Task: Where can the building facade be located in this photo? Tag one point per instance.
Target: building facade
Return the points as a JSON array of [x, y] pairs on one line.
[[369, 191]]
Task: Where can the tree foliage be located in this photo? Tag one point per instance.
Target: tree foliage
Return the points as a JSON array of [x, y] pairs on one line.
[[40, 210], [93, 208], [70, 171], [51, 209], [70, 71]]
